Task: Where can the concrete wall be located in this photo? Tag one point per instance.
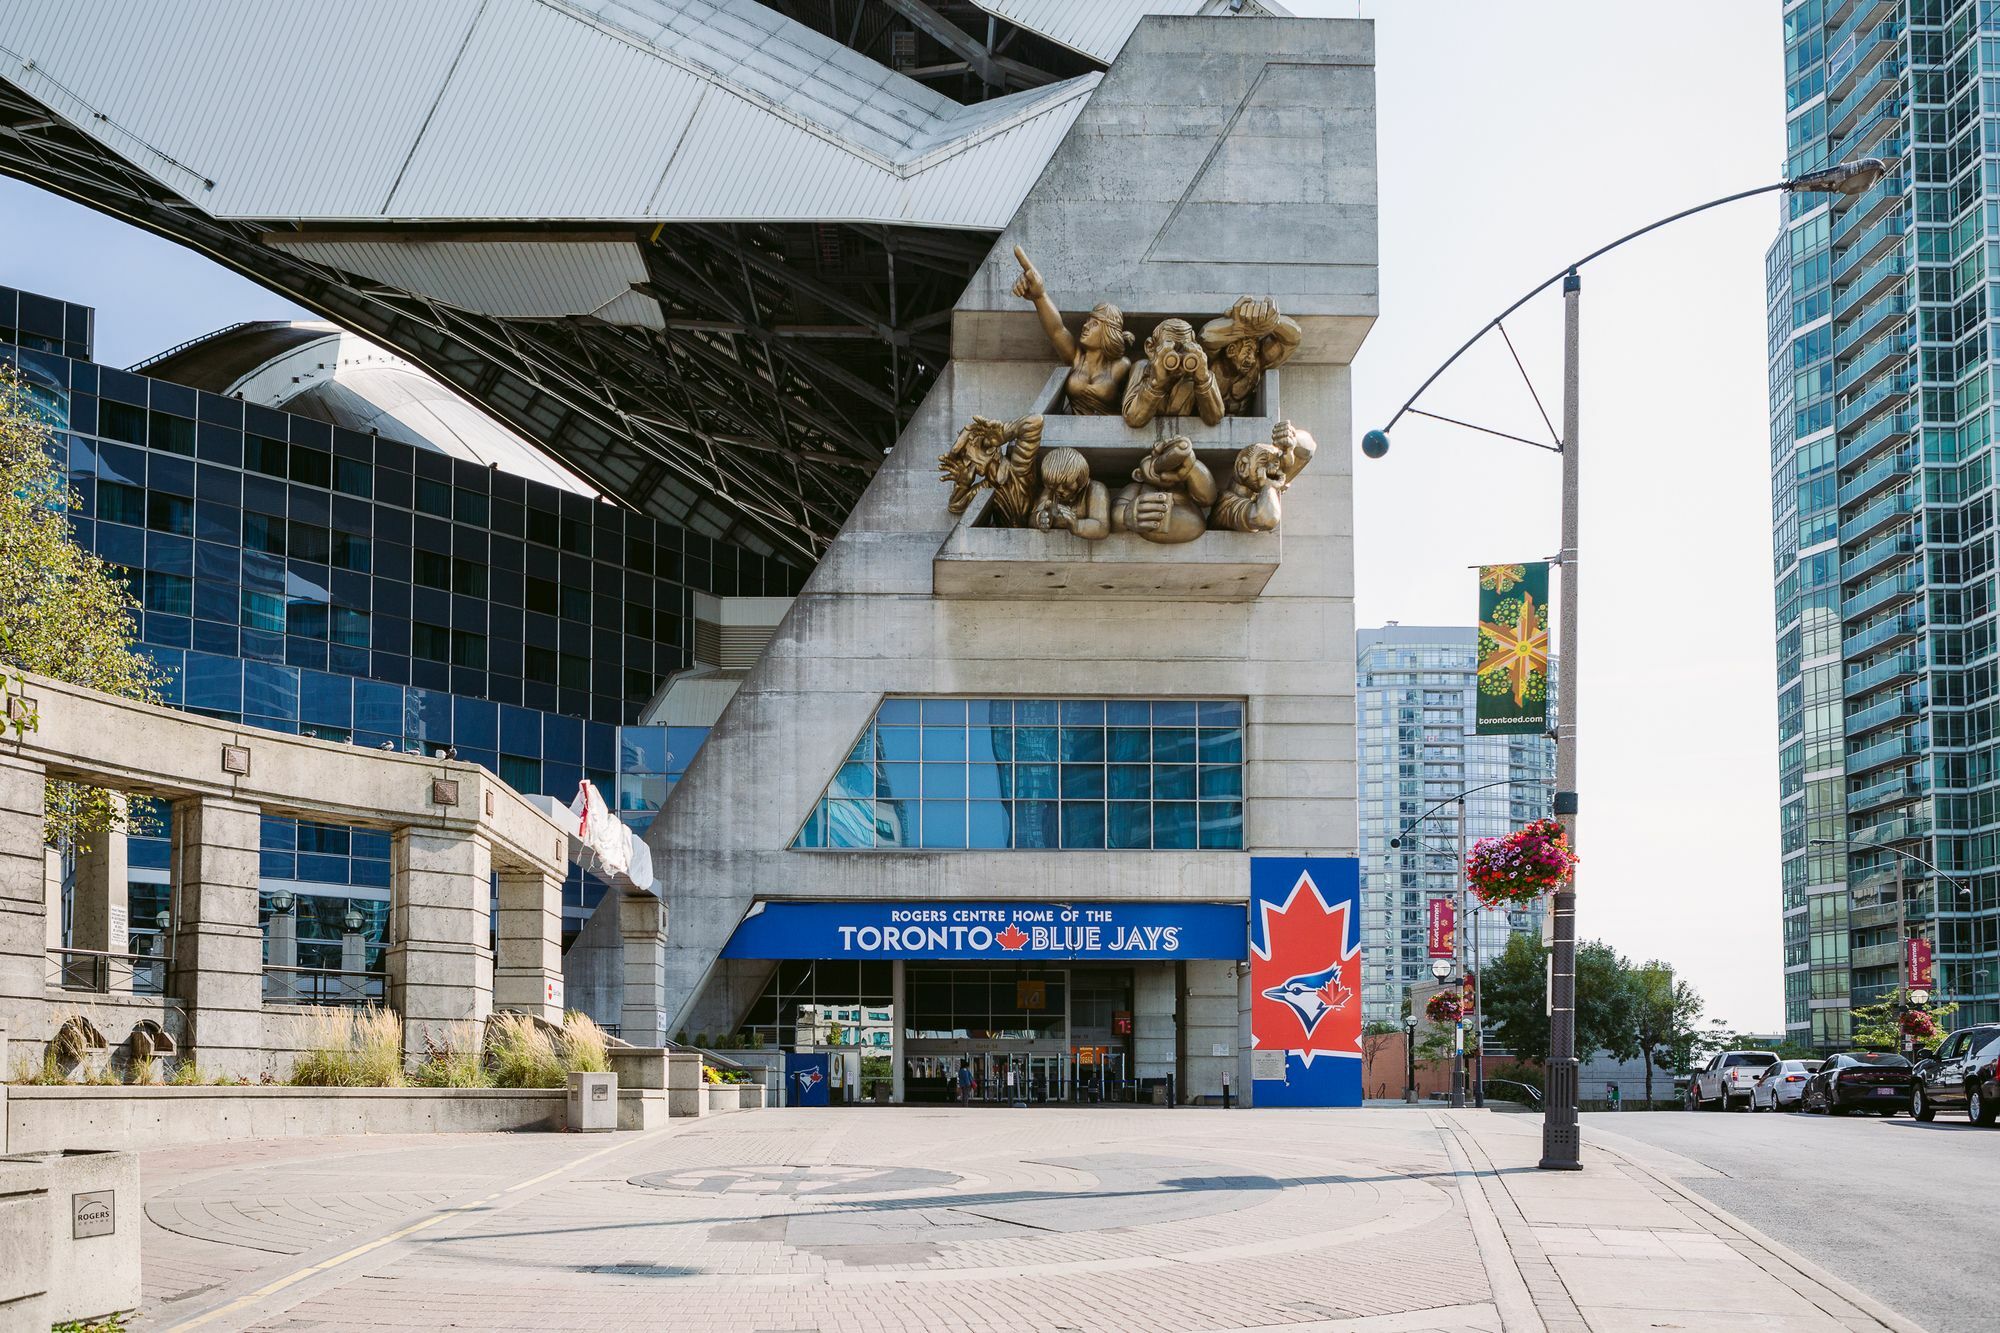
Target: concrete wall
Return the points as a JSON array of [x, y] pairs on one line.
[[1217, 159], [129, 1118]]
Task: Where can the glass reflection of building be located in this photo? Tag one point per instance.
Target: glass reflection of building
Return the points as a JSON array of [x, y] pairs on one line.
[[300, 575], [1414, 705]]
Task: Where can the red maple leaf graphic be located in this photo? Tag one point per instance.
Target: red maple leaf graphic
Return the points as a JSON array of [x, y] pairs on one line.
[[1011, 938], [1305, 943]]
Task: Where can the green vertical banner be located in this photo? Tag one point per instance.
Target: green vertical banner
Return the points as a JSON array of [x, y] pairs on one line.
[[1513, 649]]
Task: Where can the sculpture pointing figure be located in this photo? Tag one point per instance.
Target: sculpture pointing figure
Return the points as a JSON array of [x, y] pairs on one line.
[[1251, 339], [1098, 366], [1261, 474], [1174, 380]]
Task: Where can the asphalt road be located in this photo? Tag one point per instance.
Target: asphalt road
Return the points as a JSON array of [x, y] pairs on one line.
[[1909, 1213]]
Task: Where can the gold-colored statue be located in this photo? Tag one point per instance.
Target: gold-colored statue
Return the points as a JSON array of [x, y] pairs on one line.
[[1098, 366], [1071, 498], [999, 454], [1261, 474], [1174, 380], [1169, 497], [1241, 345]]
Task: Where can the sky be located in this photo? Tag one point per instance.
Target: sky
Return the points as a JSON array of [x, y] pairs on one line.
[[1512, 139]]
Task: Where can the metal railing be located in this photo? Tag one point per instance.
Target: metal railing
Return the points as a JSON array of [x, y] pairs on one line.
[[103, 973], [322, 985]]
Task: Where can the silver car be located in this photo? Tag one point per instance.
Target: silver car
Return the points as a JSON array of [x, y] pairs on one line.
[[1783, 1084]]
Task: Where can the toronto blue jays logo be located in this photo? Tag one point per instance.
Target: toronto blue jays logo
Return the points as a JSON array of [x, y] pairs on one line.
[[808, 1079], [1312, 995], [1305, 975]]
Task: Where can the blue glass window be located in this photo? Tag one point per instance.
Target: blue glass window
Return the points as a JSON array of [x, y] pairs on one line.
[[1045, 774]]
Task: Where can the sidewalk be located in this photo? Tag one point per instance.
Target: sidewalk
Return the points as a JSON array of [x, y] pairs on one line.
[[1619, 1247]]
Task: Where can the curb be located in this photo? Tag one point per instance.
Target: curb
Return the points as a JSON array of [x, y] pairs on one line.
[[1803, 1266]]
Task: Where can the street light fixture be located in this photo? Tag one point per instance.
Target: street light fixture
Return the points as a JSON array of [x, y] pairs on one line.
[[1562, 1145]]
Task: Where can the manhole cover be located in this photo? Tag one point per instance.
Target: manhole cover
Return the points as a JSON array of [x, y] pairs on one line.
[[825, 1181]]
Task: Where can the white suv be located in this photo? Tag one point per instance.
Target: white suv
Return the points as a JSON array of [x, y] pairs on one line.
[[1727, 1080]]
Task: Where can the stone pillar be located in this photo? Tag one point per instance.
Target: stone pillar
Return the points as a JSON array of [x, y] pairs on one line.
[[100, 907], [642, 923], [24, 928], [353, 964], [216, 951], [899, 998], [439, 962], [281, 950], [528, 971], [1155, 1028]]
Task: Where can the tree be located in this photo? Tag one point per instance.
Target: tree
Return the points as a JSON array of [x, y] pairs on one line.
[[1882, 1025], [63, 612], [1516, 999], [1665, 1012]]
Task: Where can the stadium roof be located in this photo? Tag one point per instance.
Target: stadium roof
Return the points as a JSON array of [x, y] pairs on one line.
[[701, 252]]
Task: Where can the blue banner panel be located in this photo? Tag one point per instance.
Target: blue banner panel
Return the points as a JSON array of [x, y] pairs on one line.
[[1305, 980], [806, 1080], [1002, 931]]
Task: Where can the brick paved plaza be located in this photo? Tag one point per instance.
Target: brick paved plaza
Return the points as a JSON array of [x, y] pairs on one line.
[[895, 1218]]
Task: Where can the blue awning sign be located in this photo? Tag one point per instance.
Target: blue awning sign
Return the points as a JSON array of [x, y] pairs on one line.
[[991, 930]]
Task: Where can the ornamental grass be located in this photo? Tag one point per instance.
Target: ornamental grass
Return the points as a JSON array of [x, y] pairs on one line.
[[351, 1048]]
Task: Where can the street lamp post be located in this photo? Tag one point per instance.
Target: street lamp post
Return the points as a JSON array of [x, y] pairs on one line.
[[1410, 1057], [1562, 1147]]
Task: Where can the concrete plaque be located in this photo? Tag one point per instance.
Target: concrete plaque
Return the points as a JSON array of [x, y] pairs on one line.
[[600, 1092], [92, 1214], [444, 791], [1267, 1065], [236, 759]]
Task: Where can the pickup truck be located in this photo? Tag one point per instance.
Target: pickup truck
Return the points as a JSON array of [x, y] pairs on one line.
[[1727, 1080]]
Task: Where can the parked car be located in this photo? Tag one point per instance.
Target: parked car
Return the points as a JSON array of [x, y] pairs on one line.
[[1875, 1082], [1960, 1075], [1783, 1084], [1727, 1080]]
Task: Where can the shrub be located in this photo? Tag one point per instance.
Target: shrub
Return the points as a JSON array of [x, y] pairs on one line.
[[351, 1048], [452, 1060], [521, 1053], [585, 1048], [141, 1070]]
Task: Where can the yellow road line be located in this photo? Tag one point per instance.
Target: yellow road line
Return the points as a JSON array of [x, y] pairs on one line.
[[348, 1256]]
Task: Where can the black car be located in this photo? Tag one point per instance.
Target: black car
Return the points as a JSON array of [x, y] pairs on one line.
[[1960, 1075], [1868, 1081]]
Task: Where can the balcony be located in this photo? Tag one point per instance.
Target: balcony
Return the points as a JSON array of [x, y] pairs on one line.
[[1855, 50], [1892, 749], [1872, 282], [1890, 309], [1895, 588], [1893, 630], [1873, 201], [1903, 666], [1882, 512], [1886, 77], [1879, 473], [1874, 436], [1869, 245], [1885, 791], [1888, 115], [1876, 955], [1889, 546], [1889, 710], [1903, 828], [1873, 358], [1875, 399]]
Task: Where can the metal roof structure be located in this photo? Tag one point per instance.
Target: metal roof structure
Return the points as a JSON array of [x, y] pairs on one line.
[[699, 251]]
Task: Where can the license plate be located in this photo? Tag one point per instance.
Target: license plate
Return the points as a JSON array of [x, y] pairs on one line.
[[1885, 1092]]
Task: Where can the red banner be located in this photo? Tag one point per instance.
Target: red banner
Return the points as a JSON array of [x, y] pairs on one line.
[[1920, 964], [1443, 928]]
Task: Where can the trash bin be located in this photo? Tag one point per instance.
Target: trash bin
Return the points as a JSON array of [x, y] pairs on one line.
[[593, 1102]]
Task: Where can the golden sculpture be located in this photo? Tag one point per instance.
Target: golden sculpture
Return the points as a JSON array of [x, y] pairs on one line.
[[1241, 345], [1260, 476], [1071, 498], [1174, 380], [1169, 497], [999, 454], [1098, 366]]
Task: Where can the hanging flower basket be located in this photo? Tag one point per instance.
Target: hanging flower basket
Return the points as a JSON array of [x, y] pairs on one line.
[[1521, 867], [1919, 1025], [1447, 1006]]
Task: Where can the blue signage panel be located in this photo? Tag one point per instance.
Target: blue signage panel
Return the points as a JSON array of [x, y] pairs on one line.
[[1305, 980], [989, 930], [806, 1080]]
